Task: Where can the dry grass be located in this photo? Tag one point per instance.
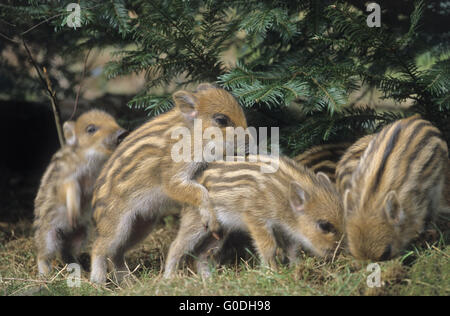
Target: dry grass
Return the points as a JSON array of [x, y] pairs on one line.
[[424, 270]]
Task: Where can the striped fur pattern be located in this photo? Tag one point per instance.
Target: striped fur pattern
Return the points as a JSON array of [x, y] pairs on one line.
[[62, 205], [323, 158], [301, 206], [349, 161], [141, 181], [396, 189]]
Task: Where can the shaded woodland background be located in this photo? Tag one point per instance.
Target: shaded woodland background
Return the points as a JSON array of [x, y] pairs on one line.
[[312, 68]]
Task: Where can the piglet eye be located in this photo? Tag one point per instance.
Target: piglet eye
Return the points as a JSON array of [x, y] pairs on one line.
[[91, 129], [325, 226], [221, 119]]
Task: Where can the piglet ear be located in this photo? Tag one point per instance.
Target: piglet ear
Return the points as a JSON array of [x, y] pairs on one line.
[[323, 177], [393, 209], [348, 203], [69, 133], [297, 197], [186, 103]]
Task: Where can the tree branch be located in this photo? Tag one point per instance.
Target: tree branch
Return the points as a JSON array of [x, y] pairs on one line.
[[81, 83], [50, 93]]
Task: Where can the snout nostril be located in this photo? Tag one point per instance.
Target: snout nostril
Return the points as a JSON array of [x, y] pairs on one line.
[[121, 136]]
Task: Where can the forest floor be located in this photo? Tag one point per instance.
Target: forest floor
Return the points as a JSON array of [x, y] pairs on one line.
[[424, 269]]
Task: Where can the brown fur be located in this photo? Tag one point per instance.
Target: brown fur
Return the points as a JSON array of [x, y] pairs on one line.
[[447, 188], [323, 158], [396, 189], [292, 201], [62, 205], [141, 181], [349, 161]]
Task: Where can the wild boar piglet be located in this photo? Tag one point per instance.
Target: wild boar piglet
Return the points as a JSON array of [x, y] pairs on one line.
[[62, 207]]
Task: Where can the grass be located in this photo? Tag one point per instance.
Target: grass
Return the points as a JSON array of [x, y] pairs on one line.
[[422, 270]]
